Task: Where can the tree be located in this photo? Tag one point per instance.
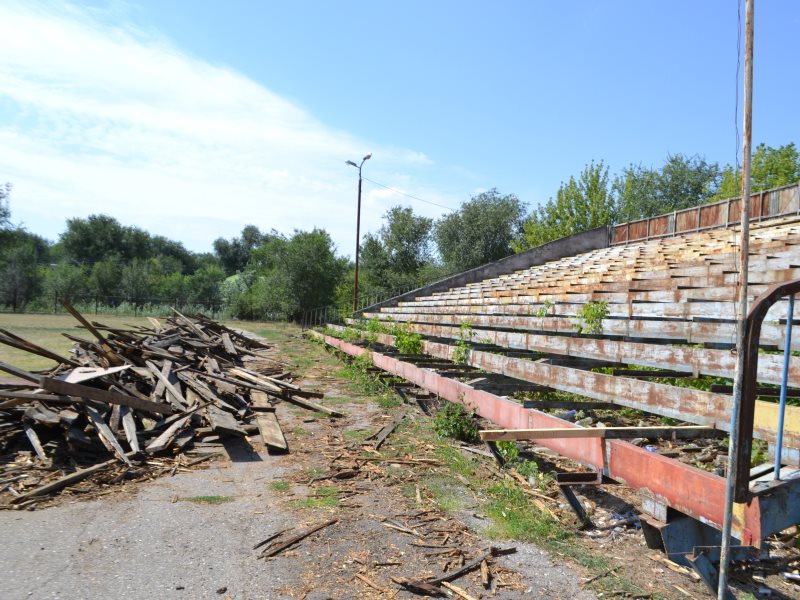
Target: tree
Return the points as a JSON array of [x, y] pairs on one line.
[[5, 207], [292, 275], [481, 231], [234, 254], [20, 271], [64, 281], [682, 182], [770, 168], [93, 239], [579, 205], [105, 278], [394, 256]]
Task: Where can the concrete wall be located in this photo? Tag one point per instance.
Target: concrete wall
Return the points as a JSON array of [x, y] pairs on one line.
[[587, 241]]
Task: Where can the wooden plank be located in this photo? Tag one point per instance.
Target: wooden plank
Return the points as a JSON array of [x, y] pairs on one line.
[[81, 374], [19, 372], [165, 439], [268, 425], [129, 425], [199, 332], [271, 432], [15, 341], [105, 348], [273, 550], [34, 440], [388, 429], [109, 397], [223, 422], [493, 435], [228, 344], [106, 434], [172, 390]]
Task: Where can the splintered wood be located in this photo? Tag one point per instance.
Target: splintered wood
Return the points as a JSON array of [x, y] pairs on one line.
[[185, 385]]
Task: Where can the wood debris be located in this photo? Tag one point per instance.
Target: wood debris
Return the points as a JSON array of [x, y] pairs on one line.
[[188, 384]]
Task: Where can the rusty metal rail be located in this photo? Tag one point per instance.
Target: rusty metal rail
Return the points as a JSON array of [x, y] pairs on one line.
[[664, 482]]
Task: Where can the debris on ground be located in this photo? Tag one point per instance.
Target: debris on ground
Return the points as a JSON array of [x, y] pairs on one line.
[[136, 402]]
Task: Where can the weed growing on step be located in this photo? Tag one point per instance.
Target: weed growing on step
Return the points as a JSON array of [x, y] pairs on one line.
[[457, 422], [465, 335], [589, 319], [405, 340], [542, 311]]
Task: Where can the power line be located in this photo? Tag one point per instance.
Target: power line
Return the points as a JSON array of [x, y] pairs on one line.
[[409, 195]]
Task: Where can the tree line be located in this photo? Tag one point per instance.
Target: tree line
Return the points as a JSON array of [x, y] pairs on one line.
[[258, 274]]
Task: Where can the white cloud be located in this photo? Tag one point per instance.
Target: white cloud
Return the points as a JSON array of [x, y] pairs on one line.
[[102, 118]]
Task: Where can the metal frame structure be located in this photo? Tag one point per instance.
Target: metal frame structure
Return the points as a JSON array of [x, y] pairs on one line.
[[670, 314]]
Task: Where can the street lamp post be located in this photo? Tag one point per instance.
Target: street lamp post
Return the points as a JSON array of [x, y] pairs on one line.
[[358, 227]]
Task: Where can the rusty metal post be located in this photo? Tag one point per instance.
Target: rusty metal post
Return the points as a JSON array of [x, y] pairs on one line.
[[744, 248]]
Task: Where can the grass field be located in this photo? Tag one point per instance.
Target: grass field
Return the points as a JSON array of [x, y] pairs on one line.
[[46, 330]]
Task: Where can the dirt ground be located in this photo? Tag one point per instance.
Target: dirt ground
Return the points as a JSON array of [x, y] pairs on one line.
[[192, 535], [401, 514]]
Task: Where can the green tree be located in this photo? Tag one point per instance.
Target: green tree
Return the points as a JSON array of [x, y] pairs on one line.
[[580, 204], [682, 182], [5, 207], [20, 270], [292, 275], [65, 281], [393, 258], [771, 168], [204, 286], [234, 254], [481, 231], [136, 284], [105, 278]]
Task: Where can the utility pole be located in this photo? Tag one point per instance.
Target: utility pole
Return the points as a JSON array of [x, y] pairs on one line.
[[741, 333], [358, 227]]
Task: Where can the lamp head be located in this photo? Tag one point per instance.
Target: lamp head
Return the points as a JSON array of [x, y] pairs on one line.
[[367, 157], [351, 163]]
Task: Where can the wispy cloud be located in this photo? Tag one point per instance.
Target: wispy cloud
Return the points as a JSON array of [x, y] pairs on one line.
[[100, 117]]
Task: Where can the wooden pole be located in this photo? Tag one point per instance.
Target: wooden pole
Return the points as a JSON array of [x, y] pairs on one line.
[[744, 248]]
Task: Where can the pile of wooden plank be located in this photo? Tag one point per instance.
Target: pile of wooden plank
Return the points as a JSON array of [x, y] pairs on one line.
[[128, 394]]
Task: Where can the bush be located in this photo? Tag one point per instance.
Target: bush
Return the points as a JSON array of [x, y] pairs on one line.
[[455, 421]]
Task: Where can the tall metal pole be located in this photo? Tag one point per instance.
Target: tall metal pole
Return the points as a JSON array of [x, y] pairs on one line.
[[358, 226], [744, 251], [358, 242]]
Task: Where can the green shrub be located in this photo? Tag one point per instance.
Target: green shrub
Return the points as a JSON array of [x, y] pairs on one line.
[[465, 335], [455, 421], [407, 341], [542, 311], [508, 451], [590, 318]]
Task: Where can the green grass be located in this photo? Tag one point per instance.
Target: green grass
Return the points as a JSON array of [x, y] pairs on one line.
[[447, 492], [355, 435], [279, 486], [324, 497], [46, 330], [463, 483], [208, 499], [298, 431]]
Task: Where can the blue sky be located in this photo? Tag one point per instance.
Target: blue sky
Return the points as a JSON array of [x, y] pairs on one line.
[[192, 119]]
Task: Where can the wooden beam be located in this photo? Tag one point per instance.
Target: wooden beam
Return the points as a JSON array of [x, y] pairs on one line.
[[84, 391], [495, 435]]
